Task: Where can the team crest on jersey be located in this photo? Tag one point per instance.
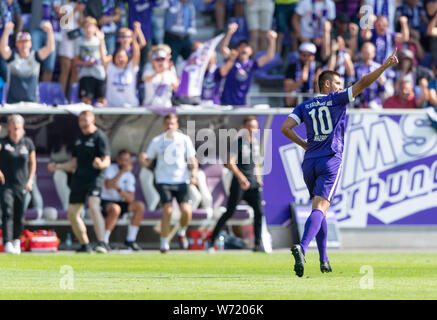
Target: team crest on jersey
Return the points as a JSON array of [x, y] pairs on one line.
[[9, 148], [24, 150]]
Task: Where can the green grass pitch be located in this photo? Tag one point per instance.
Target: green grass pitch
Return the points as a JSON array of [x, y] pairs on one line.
[[234, 275]]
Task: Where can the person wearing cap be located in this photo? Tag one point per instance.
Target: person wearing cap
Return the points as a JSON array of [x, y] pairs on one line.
[[24, 64], [301, 75], [17, 170], [160, 80], [121, 79], [240, 68], [90, 57]]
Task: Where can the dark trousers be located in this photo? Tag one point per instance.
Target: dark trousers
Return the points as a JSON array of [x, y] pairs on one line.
[[12, 205], [179, 46], [253, 198]]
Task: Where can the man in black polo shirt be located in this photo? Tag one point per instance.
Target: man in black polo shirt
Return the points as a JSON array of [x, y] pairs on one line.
[[246, 183], [91, 155], [17, 170]]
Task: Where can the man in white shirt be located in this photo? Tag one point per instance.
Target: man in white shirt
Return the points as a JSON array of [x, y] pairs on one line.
[[118, 197], [176, 164]]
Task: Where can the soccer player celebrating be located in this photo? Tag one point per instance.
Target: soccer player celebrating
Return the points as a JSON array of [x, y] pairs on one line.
[[91, 155], [324, 118]]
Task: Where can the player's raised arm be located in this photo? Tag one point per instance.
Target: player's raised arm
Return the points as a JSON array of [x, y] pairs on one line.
[[371, 77], [288, 131]]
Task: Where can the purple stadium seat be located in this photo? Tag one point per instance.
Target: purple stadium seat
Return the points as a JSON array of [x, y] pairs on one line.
[[74, 93], [266, 72], [47, 187], [51, 93]]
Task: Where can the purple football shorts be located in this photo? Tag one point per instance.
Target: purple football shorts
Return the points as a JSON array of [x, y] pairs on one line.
[[322, 176]]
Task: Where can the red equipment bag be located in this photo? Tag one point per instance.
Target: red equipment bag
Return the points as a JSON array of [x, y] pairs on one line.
[[198, 239], [39, 241], [2, 246]]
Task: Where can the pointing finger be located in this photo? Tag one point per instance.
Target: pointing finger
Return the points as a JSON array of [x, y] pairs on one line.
[[394, 52]]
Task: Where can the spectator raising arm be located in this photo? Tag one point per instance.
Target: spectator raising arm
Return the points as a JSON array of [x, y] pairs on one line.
[[271, 49], [226, 67], [45, 51], [102, 48], [136, 53], [424, 97], [224, 46], [371, 77], [432, 27], [139, 35], [405, 29], [5, 50]]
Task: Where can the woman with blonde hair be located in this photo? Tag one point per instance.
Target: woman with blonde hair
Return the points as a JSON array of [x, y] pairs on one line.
[[17, 170]]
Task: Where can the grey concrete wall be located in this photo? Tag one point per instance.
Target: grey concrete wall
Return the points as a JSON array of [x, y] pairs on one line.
[[381, 237]]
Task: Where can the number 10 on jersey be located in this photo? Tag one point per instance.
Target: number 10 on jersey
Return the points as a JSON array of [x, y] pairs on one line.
[[323, 116]]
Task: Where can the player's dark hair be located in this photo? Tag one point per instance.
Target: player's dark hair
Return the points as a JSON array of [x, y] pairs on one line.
[[248, 119], [170, 116], [123, 151], [326, 75]]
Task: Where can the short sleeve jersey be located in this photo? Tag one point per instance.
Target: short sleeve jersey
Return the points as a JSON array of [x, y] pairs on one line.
[[171, 156], [126, 182], [86, 148], [247, 155], [14, 161], [324, 118]]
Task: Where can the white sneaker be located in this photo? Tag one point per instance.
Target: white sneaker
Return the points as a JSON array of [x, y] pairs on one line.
[[9, 248], [17, 246]]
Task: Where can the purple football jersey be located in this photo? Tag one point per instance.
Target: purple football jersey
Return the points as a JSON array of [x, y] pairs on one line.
[[324, 118], [238, 82]]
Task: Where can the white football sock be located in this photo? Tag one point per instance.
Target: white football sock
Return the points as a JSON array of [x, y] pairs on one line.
[[164, 243], [106, 236], [182, 231], [132, 232]]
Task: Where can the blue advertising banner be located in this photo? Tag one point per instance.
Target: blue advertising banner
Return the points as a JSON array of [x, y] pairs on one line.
[[389, 174]]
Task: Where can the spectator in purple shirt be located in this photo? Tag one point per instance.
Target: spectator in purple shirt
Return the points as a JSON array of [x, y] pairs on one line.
[[239, 72], [212, 81], [371, 96], [382, 38]]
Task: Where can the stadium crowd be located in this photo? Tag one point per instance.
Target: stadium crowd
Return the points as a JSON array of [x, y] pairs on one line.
[[112, 50]]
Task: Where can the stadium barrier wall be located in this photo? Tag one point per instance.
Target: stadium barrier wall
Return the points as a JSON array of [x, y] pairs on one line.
[[389, 174]]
